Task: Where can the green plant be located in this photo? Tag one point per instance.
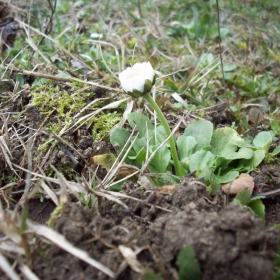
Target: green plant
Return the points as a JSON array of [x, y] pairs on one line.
[[188, 264], [144, 144], [138, 81], [253, 204], [218, 156]]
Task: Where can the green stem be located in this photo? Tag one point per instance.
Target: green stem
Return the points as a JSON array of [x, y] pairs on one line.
[[178, 169]]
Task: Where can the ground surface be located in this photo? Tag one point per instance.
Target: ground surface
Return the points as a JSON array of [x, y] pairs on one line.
[[146, 230], [229, 242]]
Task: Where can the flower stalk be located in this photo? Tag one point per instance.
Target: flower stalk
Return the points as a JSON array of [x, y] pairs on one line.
[[178, 168]]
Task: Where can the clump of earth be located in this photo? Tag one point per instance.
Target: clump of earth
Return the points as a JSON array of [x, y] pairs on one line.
[[230, 242]]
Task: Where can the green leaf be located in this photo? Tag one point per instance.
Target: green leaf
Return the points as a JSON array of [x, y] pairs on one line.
[[168, 179], [276, 275], [139, 144], [245, 153], [263, 140], [170, 84], [202, 131], [160, 161], [200, 160], [229, 66], [151, 275], [119, 138], [225, 142], [159, 136], [20, 79], [186, 145], [243, 197], [206, 59], [258, 207], [140, 156], [276, 151], [188, 264], [228, 177], [140, 122], [117, 187], [251, 164]]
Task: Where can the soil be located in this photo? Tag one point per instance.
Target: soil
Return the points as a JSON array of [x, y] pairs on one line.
[[229, 242]]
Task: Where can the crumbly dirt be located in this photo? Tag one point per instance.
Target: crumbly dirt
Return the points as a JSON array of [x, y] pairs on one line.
[[230, 243]]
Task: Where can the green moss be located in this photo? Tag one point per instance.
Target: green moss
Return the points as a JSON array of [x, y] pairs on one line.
[[270, 158], [103, 123], [66, 170], [58, 106], [48, 98]]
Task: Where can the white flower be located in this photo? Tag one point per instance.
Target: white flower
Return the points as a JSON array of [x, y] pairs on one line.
[[138, 79]]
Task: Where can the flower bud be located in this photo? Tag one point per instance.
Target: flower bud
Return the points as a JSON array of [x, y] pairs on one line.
[[138, 79]]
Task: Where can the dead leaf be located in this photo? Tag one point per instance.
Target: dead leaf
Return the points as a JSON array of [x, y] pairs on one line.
[[105, 161], [124, 172], [168, 189], [256, 116], [244, 181]]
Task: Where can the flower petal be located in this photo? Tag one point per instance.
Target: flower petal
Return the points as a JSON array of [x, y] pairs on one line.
[[133, 78]]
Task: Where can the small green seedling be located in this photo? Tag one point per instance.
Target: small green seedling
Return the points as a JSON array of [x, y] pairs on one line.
[[189, 268]]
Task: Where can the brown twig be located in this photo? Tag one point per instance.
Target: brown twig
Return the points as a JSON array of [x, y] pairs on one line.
[[268, 194]]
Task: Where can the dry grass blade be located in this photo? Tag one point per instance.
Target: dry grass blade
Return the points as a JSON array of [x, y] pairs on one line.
[[127, 111], [70, 79], [23, 24], [179, 99], [75, 186], [136, 199], [64, 184], [10, 229], [117, 164], [6, 152], [86, 118], [204, 72], [10, 247], [104, 61], [50, 193], [90, 104], [131, 258], [32, 44], [125, 178], [28, 273], [6, 267], [60, 241], [111, 197]]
